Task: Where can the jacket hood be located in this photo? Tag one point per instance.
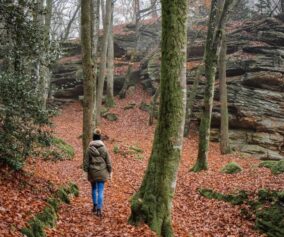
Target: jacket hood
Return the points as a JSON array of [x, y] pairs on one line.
[[93, 147], [96, 144]]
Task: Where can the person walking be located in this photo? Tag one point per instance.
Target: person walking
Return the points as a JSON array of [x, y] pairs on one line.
[[97, 164]]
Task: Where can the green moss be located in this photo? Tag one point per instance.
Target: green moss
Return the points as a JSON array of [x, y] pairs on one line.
[[109, 102], [116, 149], [237, 199], [27, 232], [145, 107], [73, 189], [110, 117], [231, 168], [267, 164], [67, 149], [276, 167], [47, 217], [54, 202], [136, 149], [270, 220], [61, 193], [37, 228], [139, 157], [129, 106]]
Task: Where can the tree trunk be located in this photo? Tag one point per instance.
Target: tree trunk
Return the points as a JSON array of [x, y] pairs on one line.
[[95, 8], [216, 25], [89, 80], [191, 99], [154, 106], [110, 56], [102, 72], [224, 144], [152, 204], [43, 65]]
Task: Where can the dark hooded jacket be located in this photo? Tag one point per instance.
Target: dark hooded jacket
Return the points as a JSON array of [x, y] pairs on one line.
[[97, 162]]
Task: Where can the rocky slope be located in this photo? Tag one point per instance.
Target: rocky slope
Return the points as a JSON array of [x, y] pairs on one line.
[[255, 72]]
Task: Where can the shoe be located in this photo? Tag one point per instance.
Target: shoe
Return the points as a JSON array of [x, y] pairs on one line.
[[99, 213], [94, 208]]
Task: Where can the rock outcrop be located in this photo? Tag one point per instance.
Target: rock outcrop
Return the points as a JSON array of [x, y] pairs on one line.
[[255, 71], [255, 74]]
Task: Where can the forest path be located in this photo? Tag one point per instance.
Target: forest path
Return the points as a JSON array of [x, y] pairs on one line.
[[193, 215]]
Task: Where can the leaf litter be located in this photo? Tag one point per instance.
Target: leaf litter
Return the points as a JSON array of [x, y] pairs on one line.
[[23, 194]]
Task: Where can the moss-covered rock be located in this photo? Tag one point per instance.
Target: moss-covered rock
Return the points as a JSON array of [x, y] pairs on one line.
[[236, 199], [145, 107], [130, 106], [62, 195], [276, 167], [37, 228], [110, 117], [58, 150], [270, 220], [136, 149], [54, 202], [47, 217], [231, 168], [73, 189]]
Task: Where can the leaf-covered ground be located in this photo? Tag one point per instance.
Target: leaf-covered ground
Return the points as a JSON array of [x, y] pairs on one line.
[[23, 194]]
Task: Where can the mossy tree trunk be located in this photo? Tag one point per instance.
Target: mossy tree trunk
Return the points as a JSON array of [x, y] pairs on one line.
[[152, 204], [224, 143], [102, 73], [89, 80], [218, 17], [191, 100], [154, 107], [44, 76], [95, 7], [110, 66]]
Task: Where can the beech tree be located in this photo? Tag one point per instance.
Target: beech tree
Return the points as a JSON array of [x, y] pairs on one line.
[[102, 72], [224, 130], [152, 204], [218, 17], [89, 80]]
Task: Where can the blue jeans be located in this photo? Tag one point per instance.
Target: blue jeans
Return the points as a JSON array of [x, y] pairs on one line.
[[98, 193]]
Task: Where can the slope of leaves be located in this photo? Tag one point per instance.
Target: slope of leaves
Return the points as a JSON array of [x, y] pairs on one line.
[[193, 215]]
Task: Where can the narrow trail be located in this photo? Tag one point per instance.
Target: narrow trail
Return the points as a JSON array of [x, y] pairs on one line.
[[193, 215]]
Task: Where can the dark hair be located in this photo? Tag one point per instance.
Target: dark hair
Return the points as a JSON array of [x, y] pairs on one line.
[[97, 134], [96, 137]]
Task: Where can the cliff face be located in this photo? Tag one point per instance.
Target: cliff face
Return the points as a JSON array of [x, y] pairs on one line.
[[255, 72]]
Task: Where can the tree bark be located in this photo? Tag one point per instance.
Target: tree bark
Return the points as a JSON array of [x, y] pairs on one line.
[[110, 67], [154, 106], [216, 25], [191, 99], [102, 72], [224, 143], [89, 80], [95, 8], [152, 204], [43, 65]]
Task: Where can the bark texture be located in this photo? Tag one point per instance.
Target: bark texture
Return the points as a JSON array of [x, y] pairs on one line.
[[102, 73], [224, 143], [217, 20], [110, 66], [89, 80], [152, 204], [191, 99]]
